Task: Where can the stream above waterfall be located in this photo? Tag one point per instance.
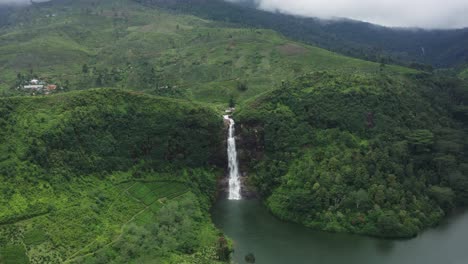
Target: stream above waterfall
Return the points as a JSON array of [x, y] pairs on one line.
[[254, 230]]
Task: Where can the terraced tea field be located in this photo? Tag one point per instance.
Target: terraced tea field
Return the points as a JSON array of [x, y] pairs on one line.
[[94, 219]]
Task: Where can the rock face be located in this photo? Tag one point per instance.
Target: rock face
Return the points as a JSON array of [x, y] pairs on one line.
[[250, 141], [250, 148]]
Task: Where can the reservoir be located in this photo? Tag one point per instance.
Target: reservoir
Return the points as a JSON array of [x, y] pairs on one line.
[[254, 230]]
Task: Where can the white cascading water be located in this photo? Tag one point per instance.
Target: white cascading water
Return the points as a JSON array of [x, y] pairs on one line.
[[234, 180]]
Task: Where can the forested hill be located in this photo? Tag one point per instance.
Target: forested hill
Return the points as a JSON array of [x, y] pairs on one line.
[[119, 163], [86, 176], [376, 155], [441, 48]]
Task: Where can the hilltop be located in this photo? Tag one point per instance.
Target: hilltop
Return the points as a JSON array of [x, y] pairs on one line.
[[86, 44], [413, 47]]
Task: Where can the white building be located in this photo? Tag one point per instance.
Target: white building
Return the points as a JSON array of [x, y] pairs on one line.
[[36, 87]]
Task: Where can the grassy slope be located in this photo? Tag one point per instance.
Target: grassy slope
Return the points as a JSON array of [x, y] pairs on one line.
[[64, 201], [204, 59]]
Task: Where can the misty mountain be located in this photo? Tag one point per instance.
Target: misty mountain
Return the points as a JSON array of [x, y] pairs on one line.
[[440, 48], [4, 13]]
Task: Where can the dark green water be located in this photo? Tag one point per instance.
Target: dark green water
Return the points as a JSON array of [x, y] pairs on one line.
[[272, 241]]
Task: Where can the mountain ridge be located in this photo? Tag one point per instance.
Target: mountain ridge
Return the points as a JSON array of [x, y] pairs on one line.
[[354, 38]]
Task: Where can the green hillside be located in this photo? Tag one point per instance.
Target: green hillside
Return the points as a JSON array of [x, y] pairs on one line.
[[87, 175], [124, 44], [374, 155], [123, 162]]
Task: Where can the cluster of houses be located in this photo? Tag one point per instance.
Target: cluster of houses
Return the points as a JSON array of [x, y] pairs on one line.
[[38, 86]]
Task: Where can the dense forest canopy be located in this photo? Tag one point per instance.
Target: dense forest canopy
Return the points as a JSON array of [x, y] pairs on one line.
[[364, 154], [91, 174]]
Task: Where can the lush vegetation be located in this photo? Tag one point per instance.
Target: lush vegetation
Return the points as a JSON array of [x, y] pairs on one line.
[[374, 155], [108, 176], [126, 172]]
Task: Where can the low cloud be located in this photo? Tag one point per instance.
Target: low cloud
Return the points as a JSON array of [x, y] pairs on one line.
[[19, 2], [395, 13], [14, 2]]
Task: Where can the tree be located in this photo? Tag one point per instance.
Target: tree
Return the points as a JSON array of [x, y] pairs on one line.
[[232, 103], [361, 198], [67, 84], [443, 195], [223, 251], [242, 86], [99, 81], [382, 66], [388, 223], [445, 163], [85, 68], [250, 258], [421, 140], [379, 197], [152, 77]]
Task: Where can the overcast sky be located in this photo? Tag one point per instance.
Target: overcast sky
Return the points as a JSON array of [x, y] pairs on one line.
[[13, 1], [401, 13], [21, 2]]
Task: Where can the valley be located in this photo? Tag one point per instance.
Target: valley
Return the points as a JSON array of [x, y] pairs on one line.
[[127, 154]]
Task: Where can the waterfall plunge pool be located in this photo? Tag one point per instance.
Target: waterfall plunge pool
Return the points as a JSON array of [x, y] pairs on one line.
[[254, 230]]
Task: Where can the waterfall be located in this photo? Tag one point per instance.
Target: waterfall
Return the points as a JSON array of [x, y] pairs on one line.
[[234, 180]]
